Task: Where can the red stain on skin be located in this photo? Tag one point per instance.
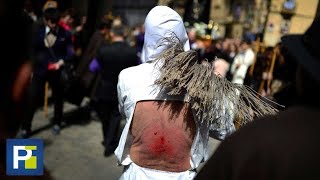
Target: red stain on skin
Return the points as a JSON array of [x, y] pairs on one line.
[[161, 146]]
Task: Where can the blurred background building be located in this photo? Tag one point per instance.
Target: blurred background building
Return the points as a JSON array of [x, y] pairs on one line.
[[289, 16], [269, 19]]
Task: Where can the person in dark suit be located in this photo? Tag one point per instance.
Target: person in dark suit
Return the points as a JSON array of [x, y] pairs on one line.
[[286, 145], [53, 46], [112, 59], [87, 78], [96, 40]]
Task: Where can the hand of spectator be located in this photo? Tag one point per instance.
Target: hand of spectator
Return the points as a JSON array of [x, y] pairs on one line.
[[78, 28], [266, 76], [56, 66], [94, 66]]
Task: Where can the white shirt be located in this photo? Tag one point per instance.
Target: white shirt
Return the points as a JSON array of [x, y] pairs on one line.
[[244, 60], [47, 29]]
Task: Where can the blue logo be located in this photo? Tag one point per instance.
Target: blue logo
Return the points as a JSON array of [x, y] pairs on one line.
[[24, 157]]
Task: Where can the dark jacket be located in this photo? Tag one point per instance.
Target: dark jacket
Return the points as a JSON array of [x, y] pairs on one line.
[[62, 49], [112, 59], [284, 146]]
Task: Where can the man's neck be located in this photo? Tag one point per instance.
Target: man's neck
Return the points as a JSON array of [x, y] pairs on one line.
[[117, 39]]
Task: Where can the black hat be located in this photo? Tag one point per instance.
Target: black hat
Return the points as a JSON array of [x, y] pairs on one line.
[[305, 48], [52, 14]]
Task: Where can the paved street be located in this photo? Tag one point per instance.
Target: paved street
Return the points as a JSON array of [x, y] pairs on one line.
[[77, 152]]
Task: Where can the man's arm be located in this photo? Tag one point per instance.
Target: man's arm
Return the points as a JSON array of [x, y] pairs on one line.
[[69, 46], [69, 52]]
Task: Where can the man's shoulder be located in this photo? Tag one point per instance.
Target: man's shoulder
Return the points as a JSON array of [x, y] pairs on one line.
[[105, 46], [116, 47], [63, 32], [127, 48], [39, 29]]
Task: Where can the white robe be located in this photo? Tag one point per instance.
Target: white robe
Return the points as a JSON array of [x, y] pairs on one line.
[[243, 61]]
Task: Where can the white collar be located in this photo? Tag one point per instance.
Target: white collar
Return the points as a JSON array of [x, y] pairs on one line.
[[47, 29]]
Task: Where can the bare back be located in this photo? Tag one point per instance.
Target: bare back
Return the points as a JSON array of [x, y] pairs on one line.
[[163, 132]]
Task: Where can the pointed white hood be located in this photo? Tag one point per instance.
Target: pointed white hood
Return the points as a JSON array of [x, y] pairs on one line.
[[161, 22]]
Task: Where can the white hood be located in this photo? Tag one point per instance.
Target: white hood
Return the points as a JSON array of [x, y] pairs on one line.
[[161, 22]]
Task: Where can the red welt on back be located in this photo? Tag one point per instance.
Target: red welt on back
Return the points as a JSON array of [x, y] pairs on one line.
[[161, 146]]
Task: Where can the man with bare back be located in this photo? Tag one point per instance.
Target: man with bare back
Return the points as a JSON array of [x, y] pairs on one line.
[[160, 131], [168, 104]]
